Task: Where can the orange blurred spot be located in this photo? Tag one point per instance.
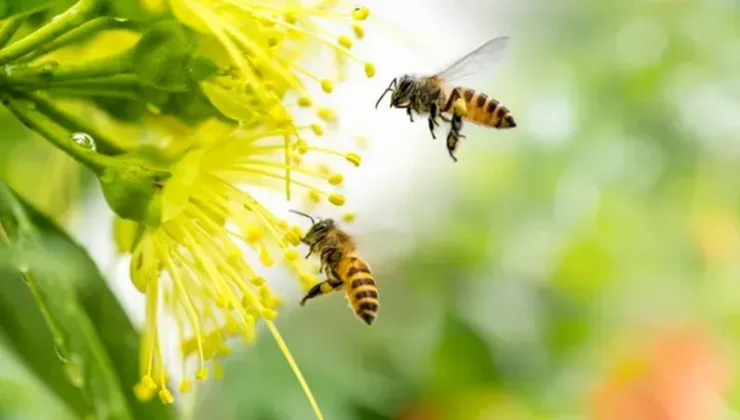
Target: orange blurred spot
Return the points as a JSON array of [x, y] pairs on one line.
[[678, 377]]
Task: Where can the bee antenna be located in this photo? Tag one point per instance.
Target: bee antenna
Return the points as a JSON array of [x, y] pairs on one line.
[[304, 215], [388, 89]]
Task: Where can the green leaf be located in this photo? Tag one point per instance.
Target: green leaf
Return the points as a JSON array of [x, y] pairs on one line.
[[64, 322], [162, 57], [462, 359]]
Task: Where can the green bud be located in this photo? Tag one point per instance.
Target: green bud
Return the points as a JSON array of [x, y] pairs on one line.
[[134, 191]]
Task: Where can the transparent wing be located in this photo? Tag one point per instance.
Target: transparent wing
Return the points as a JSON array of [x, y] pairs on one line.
[[478, 64]]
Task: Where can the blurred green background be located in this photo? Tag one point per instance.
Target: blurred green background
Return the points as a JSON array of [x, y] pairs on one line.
[[606, 221]]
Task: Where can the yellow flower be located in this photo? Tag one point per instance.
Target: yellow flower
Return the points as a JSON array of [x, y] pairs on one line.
[[262, 43], [260, 46], [192, 268]]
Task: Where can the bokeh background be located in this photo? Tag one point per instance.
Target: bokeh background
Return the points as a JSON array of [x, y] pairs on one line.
[[584, 265]]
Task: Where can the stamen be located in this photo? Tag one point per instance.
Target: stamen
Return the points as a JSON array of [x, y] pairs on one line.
[[213, 272], [189, 307], [253, 205], [243, 165], [212, 21], [294, 366], [295, 28]]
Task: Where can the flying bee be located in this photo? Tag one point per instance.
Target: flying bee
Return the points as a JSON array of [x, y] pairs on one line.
[[343, 268], [442, 96]]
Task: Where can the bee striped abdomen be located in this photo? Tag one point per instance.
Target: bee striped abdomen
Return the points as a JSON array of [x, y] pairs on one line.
[[361, 290], [484, 110]]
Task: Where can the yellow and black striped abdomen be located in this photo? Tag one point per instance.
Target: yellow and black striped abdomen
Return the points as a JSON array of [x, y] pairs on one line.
[[361, 289], [484, 110]]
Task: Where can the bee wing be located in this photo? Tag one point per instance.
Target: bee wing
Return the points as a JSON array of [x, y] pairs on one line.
[[477, 64]]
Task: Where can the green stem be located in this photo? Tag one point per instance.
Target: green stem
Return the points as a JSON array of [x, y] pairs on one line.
[[80, 92], [10, 28], [118, 83], [51, 72], [132, 189], [79, 33], [73, 124], [125, 82], [70, 19], [27, 114]]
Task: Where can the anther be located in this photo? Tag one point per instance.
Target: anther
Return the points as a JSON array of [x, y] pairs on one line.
[[166, 396], [353, 158], [185, 386], [345, 41], [327, 114], [257, 281], [291, 255], [337, 199], [336, 179], [360, 13], [358, 30], [327, 85], [369, 69], [317, 129], [202, 373]]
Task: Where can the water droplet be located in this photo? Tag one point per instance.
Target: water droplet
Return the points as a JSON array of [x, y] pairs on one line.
[[85, 140], [61, 352], [75, 371]]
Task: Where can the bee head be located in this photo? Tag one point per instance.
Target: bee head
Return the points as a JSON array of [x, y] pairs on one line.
[[401, 89], [318, 229], [402, 93]]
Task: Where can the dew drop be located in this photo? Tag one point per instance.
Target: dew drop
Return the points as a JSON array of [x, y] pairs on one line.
[[85, 140], [61, 352], [23, 268], [75, 371]]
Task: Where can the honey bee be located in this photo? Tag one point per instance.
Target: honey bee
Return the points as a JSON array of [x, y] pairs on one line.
[[343, 268], [442, 94]]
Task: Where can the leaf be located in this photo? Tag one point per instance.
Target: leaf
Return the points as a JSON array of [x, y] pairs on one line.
[[462, 359], [162, 57], [82, 345]]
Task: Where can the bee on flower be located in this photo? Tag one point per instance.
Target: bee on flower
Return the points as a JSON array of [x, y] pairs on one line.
[[193, 268]]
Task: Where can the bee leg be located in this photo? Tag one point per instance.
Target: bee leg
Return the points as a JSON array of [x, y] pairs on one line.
[[454, 136], [408, 111], [452, 141], [310, 251], [330, 256], [434, 113], [322, 288], [431, 127]]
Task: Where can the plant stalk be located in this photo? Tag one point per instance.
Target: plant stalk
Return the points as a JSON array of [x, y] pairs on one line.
[[26, 113], [73, 124], [10, 28], [70, 19], [51, 72]]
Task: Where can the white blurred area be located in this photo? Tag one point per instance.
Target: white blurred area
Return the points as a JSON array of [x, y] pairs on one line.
[[400, 188]]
